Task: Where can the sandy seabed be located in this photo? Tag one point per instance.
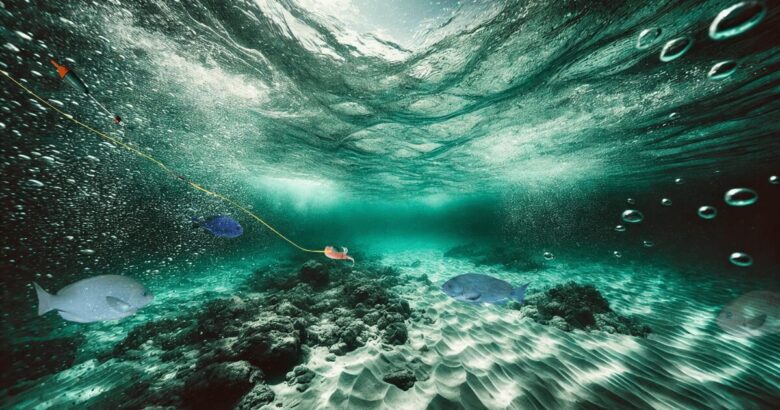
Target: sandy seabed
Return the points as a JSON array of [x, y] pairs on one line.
[[486, 356]]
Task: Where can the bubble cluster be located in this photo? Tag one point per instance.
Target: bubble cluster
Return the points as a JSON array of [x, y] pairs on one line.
[[707, 212], [648, 37], [741, 259], [675, 49], [740, 197], [632, 216], [737, 19]]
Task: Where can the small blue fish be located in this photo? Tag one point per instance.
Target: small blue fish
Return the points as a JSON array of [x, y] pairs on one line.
[[478, 288], [220, 226]]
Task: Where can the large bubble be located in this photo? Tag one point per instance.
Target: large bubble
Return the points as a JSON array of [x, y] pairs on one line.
[[674, 49], [648, 37], [741, 259], [707, 212], [722, 70], [737, 19], [741, 197], [632, 216]]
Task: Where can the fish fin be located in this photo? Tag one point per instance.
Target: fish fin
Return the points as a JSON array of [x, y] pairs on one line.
[[756, 322], [118, 304], [70, 317], [472, 295], [518, 293], [45, 300]]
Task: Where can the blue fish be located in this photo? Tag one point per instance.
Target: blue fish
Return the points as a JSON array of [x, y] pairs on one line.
[[220, 226], [478, 288]]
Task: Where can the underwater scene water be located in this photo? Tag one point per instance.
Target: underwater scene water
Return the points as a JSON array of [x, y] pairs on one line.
[[365, 204]]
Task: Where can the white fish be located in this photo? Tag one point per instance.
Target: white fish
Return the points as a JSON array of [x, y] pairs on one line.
[[105, 297]]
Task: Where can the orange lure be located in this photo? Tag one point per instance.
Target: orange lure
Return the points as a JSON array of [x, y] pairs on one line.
[[332, 253]]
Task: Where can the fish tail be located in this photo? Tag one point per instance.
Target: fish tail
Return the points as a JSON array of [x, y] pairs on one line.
[[518, 293], [45, 300], [351, 259]]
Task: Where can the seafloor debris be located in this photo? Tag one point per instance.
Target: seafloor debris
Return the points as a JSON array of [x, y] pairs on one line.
[[573, 306], [403, 379]]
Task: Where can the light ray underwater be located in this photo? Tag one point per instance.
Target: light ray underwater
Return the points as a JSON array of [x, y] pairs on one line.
[[365, 204]]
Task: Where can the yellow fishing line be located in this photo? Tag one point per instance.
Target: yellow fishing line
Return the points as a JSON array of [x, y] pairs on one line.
[[159, 163]]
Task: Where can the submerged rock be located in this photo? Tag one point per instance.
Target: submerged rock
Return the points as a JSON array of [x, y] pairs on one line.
[[259, 396], [573, 306], [314, 273], [403, 379], [220, 385]]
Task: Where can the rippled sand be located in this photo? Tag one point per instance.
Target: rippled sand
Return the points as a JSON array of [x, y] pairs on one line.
[[491, 357], [472, 356]]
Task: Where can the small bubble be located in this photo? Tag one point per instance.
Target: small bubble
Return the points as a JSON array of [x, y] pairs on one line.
[[679, 181], [632, 216], [630, 201], [549, 256], [648, 243], [674, 116], [620, 228], [666, 202], [741, 259], [737, 19], [87, 252], [34, 183], [741, 197], [648, 37], [722, 70], [674, 49], [774, 179], [707, 212], [617, 254], [70, 238]]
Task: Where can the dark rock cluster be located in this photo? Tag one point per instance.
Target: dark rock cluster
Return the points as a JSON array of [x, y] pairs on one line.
[[573, 306], [39, 358], [229, 348], [508, 257], [403, 379]]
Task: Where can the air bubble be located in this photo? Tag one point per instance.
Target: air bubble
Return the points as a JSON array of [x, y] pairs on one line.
[[631, 201], [617, 254], [648, 243], [549, 256], [620, 228], [774, 179], [666, 202], [34, 183], [741, 197], [741, 259], [648, 37], [722, 70], [707, 212], [737, 19], [632, 216], [679, 181], [674, 49], [87, 252]]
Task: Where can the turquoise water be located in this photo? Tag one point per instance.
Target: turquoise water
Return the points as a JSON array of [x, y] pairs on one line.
[[432, 139]]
